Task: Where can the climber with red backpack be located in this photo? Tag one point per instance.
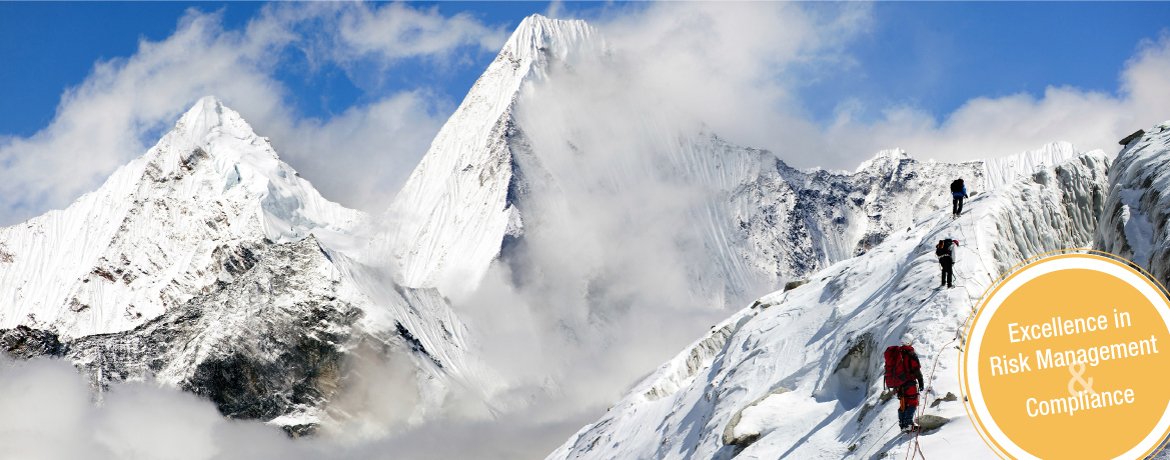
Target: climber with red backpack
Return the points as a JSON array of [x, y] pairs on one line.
[[904, 375]]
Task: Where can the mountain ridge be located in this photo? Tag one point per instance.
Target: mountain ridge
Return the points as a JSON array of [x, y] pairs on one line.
[[797, 373]]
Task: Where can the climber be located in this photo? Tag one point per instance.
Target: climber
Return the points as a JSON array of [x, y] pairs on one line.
[[904, 375], [958, 193], [945, 251]]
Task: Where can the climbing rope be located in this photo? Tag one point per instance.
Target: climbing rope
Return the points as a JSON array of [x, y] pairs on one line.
[[914, 447], [880, 437], [975, 245]]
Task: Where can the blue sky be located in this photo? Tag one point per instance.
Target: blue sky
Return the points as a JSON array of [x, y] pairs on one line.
[[941, 54], [32, 32], [352, 94], [935, 55]]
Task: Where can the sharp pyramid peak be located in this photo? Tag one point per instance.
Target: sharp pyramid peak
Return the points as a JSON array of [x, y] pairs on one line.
[[209, 114], [538, 34], [214, 130]]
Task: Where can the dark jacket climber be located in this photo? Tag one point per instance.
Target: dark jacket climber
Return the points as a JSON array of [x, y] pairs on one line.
[[904, 375], [958, 193], [945, 251]]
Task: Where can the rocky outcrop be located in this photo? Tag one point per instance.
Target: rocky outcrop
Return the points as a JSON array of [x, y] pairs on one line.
[[24, 342], [272, 342]]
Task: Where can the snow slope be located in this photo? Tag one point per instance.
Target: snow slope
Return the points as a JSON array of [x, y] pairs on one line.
[[797, 374], [453, 209], [1136, 223]]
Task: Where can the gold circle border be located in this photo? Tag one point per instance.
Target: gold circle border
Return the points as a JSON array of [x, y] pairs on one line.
[[969, 326]]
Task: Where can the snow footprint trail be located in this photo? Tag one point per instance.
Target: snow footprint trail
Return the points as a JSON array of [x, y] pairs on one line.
[[955, 228]]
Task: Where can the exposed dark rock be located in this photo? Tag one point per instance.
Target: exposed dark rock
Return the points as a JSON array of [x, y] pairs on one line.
[[268, 343], [23, 342], [948, 398], [300, 431], [415, 345], [931, 422], [102, 272], [1130, 138], [795, 284]]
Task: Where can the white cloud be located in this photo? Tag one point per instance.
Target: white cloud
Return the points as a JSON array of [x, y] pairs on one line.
[[990, 127], [110, 117], [744, 71], [398, 31], [738, 67], [362, 156], [46, 413]]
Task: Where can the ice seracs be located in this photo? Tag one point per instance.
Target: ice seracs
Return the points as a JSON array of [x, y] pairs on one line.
[[1004, 170], [1136, 223]]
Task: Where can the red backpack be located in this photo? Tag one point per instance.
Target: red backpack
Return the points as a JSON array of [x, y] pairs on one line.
[[901, 365]]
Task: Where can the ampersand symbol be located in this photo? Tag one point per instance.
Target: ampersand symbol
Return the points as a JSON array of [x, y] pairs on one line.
[[1078, 372]]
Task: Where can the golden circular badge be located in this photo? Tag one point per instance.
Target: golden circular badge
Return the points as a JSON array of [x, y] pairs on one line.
[[1069, 357]]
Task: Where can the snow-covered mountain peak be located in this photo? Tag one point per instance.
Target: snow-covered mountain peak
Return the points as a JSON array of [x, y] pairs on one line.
[[208, 256], [470, 161], [537, 37], [209, 117], [162, 228], [884, 158], [213, 154]]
